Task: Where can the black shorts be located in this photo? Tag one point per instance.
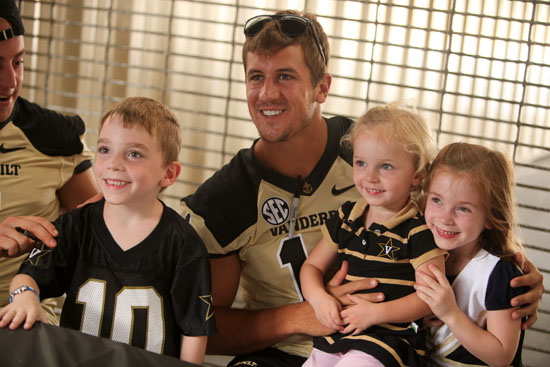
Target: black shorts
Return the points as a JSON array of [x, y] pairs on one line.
[[270, 357]]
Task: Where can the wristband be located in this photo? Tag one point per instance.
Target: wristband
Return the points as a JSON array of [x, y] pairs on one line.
[[21, 290]]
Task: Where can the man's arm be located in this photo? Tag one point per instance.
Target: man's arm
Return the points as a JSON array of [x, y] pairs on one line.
[[245, 331], [336, 289], [242, 331], [79, 188]]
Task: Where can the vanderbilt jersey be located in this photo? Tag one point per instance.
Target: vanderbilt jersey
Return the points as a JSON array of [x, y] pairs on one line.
[[246, 209], [483, 285], [146, 296], [40, 150]]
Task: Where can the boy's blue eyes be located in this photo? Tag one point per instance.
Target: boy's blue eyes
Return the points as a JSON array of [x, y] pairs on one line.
[[103, 150]]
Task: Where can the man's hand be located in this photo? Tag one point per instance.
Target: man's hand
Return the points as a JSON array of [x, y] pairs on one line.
[[339, 291], [529, 301], [13, 243]]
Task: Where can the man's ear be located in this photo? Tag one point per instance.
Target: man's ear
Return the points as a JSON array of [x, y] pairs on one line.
[[171, 173], [323, 88]]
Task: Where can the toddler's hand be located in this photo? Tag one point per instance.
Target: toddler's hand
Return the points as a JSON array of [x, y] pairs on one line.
[[327, 310], [359, 316]]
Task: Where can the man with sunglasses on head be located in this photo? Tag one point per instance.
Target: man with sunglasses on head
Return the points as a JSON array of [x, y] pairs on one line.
[[261, 214], [44, 164]]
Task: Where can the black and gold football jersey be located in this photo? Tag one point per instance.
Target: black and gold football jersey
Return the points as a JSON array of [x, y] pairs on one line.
[[40, 150], [147, 296], [247, 209]]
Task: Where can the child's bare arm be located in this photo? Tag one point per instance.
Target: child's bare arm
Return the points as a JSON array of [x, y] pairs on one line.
[[327, 308], [495, 346], [25, 305], [193, 348]]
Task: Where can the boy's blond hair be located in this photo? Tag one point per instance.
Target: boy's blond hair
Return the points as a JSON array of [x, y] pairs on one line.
[[399, 123], [155, 118]]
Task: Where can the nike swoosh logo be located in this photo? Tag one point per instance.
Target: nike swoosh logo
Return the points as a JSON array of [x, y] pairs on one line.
[[337, 192], [9, 150]]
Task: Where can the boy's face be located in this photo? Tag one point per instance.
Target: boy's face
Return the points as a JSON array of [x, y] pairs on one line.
[[11, 71], [129, 166], [383, 173]]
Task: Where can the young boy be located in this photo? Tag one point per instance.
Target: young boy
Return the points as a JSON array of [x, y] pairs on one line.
[[133, 270]]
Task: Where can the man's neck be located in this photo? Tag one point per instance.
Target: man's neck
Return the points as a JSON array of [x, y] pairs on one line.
[[297, 156]]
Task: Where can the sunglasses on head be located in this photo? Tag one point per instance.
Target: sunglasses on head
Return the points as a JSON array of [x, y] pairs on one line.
[[291, 25]]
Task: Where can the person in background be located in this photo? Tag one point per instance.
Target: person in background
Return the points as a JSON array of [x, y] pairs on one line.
[[44, 163], [128, 251], [471, 211], [260, 215]]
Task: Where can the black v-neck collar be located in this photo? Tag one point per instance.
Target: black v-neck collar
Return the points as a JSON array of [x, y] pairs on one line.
[[148, 244], [315, 179]]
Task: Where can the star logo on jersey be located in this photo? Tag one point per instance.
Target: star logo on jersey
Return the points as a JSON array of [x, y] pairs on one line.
[[208, 300], [9, 150], [37, 253], [387, 249]]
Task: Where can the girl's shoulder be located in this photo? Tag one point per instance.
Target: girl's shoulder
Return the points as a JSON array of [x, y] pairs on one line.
[[499, 292]]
